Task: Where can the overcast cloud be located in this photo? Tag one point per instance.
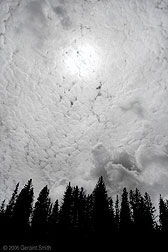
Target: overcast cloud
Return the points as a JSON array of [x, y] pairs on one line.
[[83, 93]]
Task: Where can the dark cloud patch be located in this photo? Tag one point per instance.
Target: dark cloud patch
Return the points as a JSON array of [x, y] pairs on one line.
[[118, 169], [119, 177], [35, 9], [59, 11], [152, 157], [101, 157], [35, 22], [121, 170], [125, 160], [134, 106], [62, 14], [61, 1], [66, 22]]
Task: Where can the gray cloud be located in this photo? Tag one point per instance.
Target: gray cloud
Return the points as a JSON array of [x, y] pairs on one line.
[[62, 1], [35, 8], [134, 106], [116, 167], [33, 26], [148, 170], [64, 18], [125, 160], [60, 11], [101, 157], [119, 177], [51, 113]]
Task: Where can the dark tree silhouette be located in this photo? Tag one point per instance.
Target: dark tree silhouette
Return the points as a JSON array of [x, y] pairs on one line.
[[12, 201], [53, 222], [100, 208], [22, 211], [111, 218], [82, 212], [2, 207], [149, 214], [6, 216], [54, 216], [117, 214], [41, 213], [163, 215], [66, 212], [3, 222], [89, 223], [125, 214], [80, 217], [137, 206], [75, 207]]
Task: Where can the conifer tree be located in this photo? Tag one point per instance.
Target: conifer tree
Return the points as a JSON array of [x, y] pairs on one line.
[[149, 214], [111, 218], [163, 215], [89, 223], [100, 207], [137, 206], [53, 222], [66, 209], [117, 213], [80, 217], [12, 201], [125, 213], [3, 222], [6, 220], [22, 211], [82, 211], [54, 216], [75, 207], [41, 214], [2, 208]]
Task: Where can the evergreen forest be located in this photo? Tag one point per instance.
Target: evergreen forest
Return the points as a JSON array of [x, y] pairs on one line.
[[81, 218]]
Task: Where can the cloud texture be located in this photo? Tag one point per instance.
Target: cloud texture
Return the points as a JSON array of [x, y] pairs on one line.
[[107, 117]]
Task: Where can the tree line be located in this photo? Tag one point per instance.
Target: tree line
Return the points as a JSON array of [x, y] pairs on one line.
[[80, 216]]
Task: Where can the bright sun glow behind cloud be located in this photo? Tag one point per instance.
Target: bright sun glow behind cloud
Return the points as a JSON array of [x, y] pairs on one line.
[[82, 61], [78, 73]]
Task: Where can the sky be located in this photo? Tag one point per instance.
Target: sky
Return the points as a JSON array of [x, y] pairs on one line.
[[83, 93]]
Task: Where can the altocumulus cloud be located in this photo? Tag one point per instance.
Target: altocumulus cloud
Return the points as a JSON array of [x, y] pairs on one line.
[[83, 93]]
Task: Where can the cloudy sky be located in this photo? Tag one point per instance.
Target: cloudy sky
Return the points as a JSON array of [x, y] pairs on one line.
[[84, 93]]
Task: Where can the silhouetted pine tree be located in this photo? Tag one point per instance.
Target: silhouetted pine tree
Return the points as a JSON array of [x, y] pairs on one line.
[[100, 208], [6, 223], [66, 212], [89, 222], [163, 215], [21, 213], [54, 216], [111, 218], [82, 212], [2, 212], [149, 214], [137, 206], [75, 207], [2, 207], [117, 214], [2, 222], [12, 201], [125, 214], [53, 223], [80, 217], [41, 213]]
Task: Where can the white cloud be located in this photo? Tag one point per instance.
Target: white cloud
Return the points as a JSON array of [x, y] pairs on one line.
[[148, 170], [52, 121]]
